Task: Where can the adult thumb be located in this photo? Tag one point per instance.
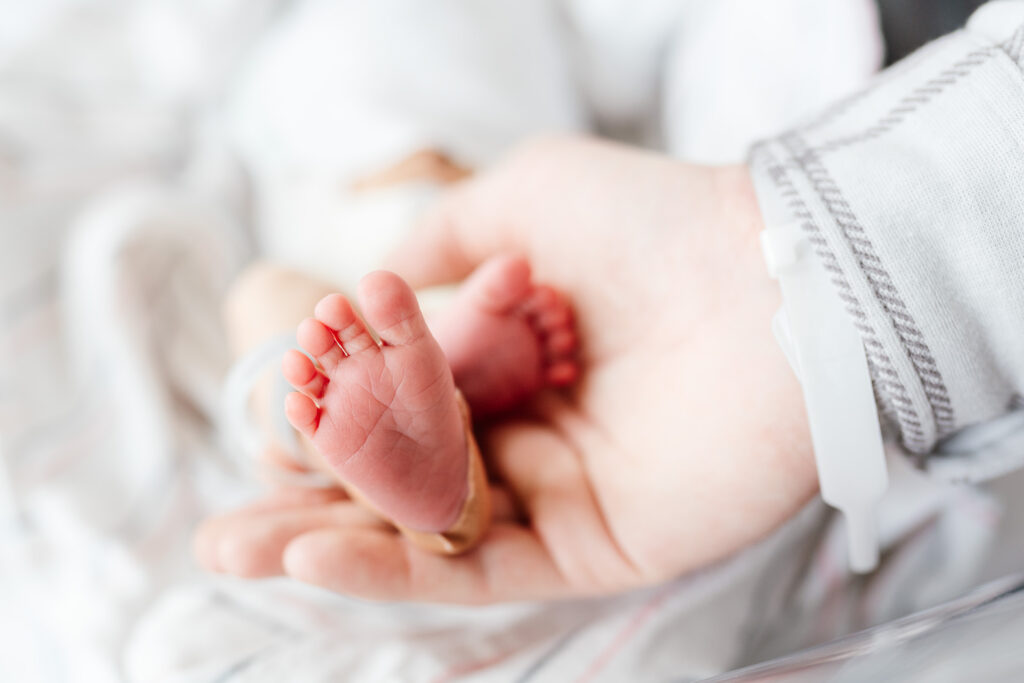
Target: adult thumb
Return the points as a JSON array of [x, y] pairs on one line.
[[434, 253], [470, 223]]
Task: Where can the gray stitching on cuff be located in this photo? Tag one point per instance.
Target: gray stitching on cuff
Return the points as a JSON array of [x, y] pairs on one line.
[[908, 104], [905, 106], [891, 394], [888, 296]]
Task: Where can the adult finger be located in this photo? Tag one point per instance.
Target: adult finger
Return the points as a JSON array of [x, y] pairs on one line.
[[378, 564], [563, 548], [250, 542], [547, 471]]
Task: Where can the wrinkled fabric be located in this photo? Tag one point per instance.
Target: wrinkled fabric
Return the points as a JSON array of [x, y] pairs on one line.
[[140, 170], [908, 193]]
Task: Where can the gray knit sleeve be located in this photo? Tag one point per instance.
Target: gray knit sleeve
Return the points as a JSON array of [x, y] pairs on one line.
[[912, 195]]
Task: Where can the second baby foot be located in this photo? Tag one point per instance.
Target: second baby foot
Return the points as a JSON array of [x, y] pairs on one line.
[[385, 416], [505, 337]]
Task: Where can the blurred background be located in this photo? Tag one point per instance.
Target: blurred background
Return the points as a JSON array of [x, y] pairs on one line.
[[149, 149]]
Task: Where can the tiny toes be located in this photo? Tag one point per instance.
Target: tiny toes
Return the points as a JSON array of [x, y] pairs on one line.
[[300, 372], [302, 413], [561, 343], [541, 300], [320, 342], [554, 319], [562, 374], [336, 312]]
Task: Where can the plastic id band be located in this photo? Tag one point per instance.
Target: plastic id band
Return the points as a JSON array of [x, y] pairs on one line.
[[825, 352]]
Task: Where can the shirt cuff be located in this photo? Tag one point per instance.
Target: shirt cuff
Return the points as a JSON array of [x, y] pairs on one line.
[[910, 194]]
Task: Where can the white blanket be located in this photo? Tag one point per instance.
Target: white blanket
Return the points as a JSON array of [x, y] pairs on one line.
[[127, 200]]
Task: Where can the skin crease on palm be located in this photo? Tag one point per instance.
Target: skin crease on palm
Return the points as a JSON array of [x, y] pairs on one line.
[[684, 441]]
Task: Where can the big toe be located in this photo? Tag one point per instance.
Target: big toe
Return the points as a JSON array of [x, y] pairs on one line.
[[390, 306], [500, 284]]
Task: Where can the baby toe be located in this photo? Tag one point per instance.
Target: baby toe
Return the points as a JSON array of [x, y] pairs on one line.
[[499, 285], [302, 413], [300, 372], [540, 300], [320, 342], [556, 317], [336, 312], [561, 343], [391, 307], [562, 373]]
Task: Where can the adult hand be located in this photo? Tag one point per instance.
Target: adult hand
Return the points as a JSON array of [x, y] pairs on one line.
[[684, 441]]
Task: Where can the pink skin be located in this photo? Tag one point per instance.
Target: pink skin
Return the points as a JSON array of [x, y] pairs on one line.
[[505, 338], [385, 416]]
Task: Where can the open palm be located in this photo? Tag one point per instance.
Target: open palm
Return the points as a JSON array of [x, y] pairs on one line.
[[683, 441]]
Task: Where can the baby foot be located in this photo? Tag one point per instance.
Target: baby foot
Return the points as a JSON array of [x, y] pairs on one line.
[[505, 338], [384, 416]]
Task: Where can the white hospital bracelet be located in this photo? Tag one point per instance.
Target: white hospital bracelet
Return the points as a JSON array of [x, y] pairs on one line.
[[825, 352]]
